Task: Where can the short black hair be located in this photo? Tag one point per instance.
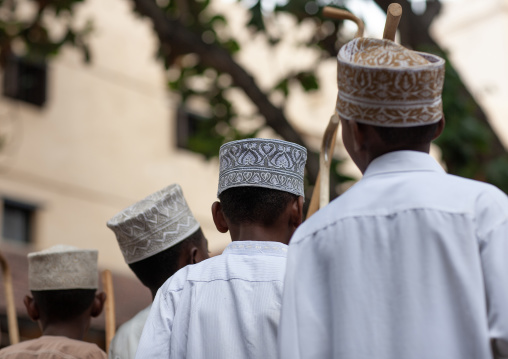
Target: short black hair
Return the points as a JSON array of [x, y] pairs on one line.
[[65, 304], [254, 204], [405, 136], [155, 270]]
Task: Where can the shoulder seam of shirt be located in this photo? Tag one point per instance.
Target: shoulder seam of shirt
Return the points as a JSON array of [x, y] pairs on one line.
[[367, 176], [221, 279], [350, 216]]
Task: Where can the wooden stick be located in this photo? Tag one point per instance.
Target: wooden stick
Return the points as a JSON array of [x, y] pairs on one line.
[[9, 300], [325, 159], [107, 284], [314, 200], [340, 14], [393, 15], [321, 192]]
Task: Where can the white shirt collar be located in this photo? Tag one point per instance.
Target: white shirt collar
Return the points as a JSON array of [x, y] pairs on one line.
[[402, 161], [257, 248]]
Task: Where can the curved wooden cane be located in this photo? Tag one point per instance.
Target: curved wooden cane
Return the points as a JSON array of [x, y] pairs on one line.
[[107, 285], [340, 14], [321, 194], [12, 320]]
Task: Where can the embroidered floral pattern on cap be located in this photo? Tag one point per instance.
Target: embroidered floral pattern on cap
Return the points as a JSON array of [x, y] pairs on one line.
[[384, 84], [153, 224], [265, 163]]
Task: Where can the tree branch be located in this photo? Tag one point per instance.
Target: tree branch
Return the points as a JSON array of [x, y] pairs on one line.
[[178, 39]]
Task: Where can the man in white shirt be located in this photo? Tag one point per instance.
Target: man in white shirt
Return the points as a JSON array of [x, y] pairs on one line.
[[157, 236], [229, 306], [410, 262]]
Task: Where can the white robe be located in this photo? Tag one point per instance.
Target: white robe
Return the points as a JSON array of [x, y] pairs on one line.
[[409, 263], [125, 342], [226, 307]]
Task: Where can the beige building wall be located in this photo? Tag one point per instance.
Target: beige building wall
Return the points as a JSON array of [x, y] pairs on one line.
[[104, 139]]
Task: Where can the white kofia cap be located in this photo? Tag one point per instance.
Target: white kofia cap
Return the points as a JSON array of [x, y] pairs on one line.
[[153, 224], [63, 267]]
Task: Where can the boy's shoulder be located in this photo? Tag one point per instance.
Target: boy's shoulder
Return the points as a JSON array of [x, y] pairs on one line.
[[191, 272], [442, 191], [55, 347], [231, 265]]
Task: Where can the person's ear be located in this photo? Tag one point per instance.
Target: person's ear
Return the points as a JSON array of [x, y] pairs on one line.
[[31, 308], [195, 255], [296, 212], [98, 304], [358, 136], [439, 129], [218, 218]]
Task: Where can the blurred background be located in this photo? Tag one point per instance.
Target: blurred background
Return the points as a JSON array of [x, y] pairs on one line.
[[106, 101]]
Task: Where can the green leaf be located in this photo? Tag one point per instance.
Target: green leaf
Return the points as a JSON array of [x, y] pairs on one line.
[[218, 19], [256, 21], [308, 81], [232, 46], [283, 86]]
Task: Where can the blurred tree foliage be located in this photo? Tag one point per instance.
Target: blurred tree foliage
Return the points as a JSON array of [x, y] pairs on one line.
[[37, 29], [469, 146], [200, 51]]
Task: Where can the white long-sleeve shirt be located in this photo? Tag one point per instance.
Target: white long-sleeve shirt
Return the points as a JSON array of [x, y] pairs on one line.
[[224, 307], [125, 342], [409, 263]]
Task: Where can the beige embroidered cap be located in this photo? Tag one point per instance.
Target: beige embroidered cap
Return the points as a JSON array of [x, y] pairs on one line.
[[63, 267], [382, 83], [153, 224]]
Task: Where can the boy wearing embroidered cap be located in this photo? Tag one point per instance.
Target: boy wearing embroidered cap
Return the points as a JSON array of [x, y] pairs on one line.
[[410, 262], [63, 281], [229, 305], [157, 236]]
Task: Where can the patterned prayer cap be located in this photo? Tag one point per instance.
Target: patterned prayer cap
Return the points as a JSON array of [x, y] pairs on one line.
[[382, 83], [153, 224], [63, 267], [258, 162]]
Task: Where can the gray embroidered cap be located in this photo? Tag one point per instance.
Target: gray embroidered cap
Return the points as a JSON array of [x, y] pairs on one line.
[[259, 162], [153, 224], [63, 267]]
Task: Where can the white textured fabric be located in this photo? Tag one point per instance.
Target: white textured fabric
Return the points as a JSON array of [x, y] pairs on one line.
[[126, 340], [224, 307], [409, 263]]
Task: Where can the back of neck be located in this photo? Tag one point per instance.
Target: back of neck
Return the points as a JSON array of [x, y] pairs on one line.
[[255, 232], [71, 329]]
